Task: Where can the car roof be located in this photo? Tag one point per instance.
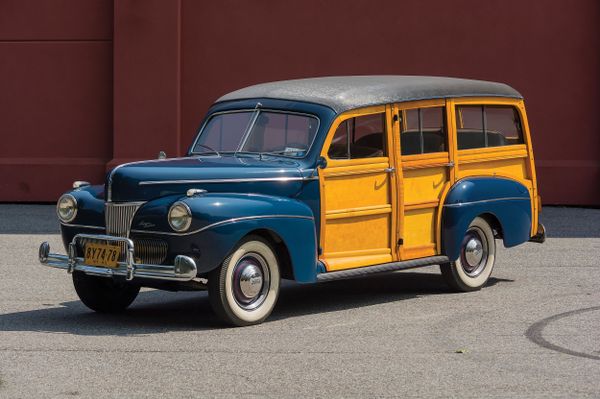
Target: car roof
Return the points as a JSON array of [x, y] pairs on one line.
[[343, 93]]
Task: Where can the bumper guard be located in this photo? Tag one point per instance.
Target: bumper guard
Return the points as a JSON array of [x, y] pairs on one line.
[[184, 268]]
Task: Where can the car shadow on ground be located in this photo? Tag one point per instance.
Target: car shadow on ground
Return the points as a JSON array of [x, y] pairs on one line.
[[157, 311]]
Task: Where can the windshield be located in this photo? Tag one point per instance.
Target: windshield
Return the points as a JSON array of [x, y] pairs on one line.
[[258, 131]]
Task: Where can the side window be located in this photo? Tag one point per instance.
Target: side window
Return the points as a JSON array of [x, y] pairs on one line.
[[423, 131], [503, 126], [360, 137], [481, 126]]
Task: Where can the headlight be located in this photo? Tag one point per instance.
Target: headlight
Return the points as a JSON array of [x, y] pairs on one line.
[[180, 217], [66, 208]]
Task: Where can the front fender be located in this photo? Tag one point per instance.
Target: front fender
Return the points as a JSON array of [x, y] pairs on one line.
[[505, 199], [90, 213], [221, 220]]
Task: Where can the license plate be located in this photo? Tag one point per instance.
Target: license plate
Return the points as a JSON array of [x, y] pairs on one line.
[[105, 255]]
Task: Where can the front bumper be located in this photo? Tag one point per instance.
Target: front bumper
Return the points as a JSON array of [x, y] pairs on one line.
[[183, 269]]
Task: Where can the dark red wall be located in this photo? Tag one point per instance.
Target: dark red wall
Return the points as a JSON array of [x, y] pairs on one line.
[[173, 58], [55, 95]]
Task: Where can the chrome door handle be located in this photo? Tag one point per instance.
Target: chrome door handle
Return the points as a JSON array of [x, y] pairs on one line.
[[389, 170], [450, 164]]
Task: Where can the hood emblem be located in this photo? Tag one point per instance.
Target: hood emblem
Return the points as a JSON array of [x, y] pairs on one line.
[[146, 225]]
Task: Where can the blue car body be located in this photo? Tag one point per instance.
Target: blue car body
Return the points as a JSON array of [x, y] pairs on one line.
[[273, 196]]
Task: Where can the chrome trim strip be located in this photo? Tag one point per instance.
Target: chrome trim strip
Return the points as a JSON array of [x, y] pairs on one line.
[[232, 220], [483, 201], [83, 226], [112, 172], [243, 180]]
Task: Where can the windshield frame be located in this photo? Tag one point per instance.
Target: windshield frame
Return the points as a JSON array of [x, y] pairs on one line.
[[256, 111]]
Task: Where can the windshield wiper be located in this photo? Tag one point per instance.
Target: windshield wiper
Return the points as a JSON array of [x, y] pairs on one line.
[[236, 153]]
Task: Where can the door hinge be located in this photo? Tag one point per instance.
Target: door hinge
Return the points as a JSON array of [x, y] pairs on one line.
[[400, 241]]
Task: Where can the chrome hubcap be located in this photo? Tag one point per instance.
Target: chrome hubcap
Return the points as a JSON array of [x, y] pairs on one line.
[[474, 252], [250, 281]]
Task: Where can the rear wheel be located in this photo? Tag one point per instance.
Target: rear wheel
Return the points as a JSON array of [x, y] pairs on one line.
[[104, 295], [244, 289], [474, 265]]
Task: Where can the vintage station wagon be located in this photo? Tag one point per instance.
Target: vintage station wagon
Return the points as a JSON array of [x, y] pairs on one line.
[[311, 180]]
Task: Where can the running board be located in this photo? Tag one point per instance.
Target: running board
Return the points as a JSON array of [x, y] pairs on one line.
[[385, 267]]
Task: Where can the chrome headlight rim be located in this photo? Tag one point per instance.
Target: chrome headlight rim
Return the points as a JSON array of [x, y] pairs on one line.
[[66, 219], [188, 218]]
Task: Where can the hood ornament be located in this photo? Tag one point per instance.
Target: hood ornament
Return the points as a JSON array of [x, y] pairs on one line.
[[162, 155]]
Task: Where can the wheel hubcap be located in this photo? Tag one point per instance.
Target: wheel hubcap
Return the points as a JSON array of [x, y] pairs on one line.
[[474, 253], [250, 281]]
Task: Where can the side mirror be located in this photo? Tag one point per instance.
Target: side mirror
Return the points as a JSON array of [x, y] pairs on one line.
[[321, 163]]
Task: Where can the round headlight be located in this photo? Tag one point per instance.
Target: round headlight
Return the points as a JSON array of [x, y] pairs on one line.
[[180, 217], [66, 208]]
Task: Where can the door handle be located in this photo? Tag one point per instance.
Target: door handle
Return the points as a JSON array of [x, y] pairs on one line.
[[389, 170], [450, 164]]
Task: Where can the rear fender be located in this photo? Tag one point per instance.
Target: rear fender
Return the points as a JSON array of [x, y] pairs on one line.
[[506, 200]]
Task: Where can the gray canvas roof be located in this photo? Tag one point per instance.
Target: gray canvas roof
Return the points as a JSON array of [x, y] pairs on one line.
[[342, 93]]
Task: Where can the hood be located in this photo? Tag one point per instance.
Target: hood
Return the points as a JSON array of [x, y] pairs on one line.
[[146, 180]]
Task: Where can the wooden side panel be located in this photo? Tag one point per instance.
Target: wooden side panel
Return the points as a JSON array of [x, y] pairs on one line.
[[422, 192], [360, 187], [515, 168], [358, 216]]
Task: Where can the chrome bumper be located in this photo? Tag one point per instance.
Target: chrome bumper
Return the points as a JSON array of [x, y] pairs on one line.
[[184, 268]]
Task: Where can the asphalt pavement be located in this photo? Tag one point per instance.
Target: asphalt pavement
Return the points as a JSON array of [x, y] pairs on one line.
[[533, 332]]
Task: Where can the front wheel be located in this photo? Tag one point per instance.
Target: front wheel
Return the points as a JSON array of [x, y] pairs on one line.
[[104, 295], [474, 265], [244, 289]]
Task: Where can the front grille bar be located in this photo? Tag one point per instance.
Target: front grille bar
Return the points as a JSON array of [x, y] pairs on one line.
[[118, 217]]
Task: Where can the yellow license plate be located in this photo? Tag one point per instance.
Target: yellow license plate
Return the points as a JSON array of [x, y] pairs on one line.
[[105, 255]]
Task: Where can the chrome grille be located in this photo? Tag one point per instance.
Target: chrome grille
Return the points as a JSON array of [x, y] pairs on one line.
[[150, 251], [118, 217]]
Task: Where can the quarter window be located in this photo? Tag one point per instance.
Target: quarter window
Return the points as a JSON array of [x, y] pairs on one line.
[[423, 131], [481, 126], [360, 137]]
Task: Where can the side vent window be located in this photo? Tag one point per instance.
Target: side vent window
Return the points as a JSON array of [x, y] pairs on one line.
[[360, 137], [480, 126], [423, 130]]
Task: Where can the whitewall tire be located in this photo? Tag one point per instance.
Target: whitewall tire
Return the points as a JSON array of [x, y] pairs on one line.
[[244, 289], [475, 263]]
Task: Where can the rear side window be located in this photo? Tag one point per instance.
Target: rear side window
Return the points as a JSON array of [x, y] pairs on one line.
[[360, 137], [481, 126], [423, 131]]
